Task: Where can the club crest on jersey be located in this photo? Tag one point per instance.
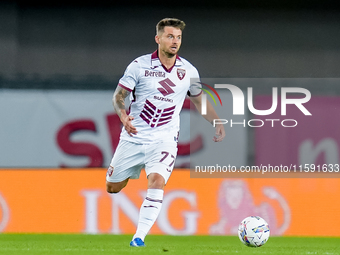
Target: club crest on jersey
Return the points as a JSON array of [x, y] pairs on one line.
[[110, 171], [180, 73]]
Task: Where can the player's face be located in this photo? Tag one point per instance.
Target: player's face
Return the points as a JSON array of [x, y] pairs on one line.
[[169, 41]]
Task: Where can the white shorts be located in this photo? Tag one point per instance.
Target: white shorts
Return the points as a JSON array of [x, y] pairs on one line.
[[129, 159]]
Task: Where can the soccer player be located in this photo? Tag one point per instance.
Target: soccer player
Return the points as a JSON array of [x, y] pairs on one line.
[[157, 84]]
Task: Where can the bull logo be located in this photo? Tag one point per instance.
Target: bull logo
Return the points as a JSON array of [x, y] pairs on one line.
[[180, 73]]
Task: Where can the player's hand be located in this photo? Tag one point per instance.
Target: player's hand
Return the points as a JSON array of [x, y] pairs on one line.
[[130, 129], [219, 132]]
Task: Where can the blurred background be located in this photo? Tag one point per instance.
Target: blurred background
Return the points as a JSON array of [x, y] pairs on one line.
[[88, 44], [85, 47], [60, 62]]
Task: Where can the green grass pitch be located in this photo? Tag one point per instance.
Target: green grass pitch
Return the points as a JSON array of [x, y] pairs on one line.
[[69, 244]]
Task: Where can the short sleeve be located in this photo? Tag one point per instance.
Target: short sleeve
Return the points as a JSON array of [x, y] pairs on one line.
[[195, 86], [130, 77]]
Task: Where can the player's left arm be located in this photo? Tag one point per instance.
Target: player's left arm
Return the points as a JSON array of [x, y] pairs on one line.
[[210, 116]]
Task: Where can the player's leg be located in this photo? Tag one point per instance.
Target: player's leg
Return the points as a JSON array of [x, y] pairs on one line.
[[155, 181], [158, 170], [126, 163], [115, 187], [150, 208]]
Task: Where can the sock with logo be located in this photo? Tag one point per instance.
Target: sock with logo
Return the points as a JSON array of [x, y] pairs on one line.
[[149, 212]]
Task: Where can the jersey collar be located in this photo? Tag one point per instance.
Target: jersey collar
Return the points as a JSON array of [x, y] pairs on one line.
[[155, 62]]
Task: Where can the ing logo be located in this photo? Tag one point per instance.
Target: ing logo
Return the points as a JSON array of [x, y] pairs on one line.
[[4, 213]]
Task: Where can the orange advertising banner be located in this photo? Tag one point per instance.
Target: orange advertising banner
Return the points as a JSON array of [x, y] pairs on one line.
[[75, 201]]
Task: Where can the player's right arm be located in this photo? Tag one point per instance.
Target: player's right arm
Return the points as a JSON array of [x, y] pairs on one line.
[[118, 101]]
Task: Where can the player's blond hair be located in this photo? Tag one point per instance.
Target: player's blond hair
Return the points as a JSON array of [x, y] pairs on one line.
[[169, 22]]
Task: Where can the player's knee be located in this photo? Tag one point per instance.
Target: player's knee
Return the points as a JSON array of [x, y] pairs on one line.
[[115, 187], [155, 181], [112, 189]]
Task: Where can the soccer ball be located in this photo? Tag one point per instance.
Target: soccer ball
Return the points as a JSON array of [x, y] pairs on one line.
[[253, 231]]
